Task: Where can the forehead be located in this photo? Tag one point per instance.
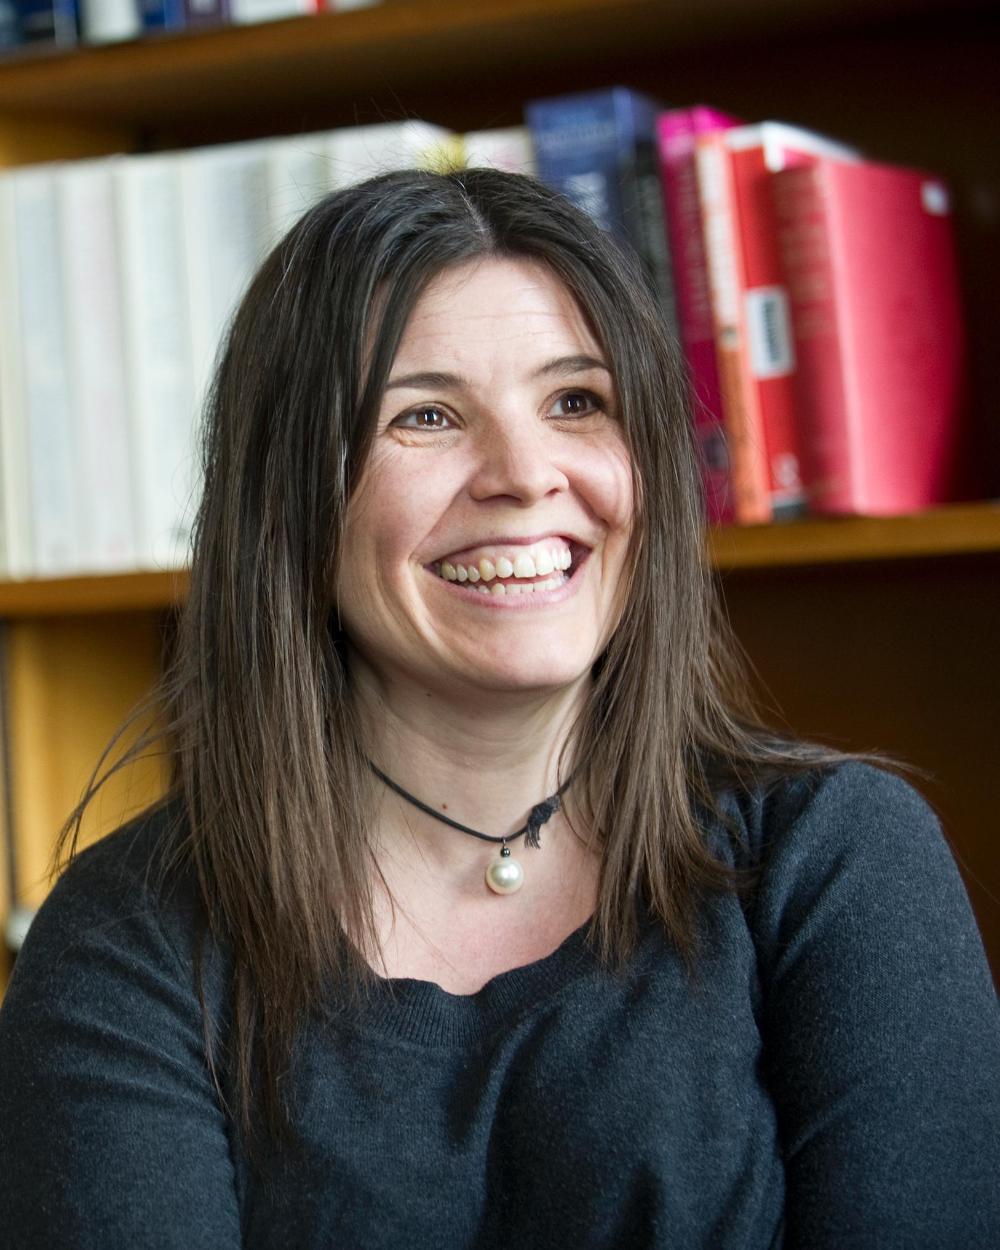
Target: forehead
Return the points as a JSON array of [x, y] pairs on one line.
[[492, 309]]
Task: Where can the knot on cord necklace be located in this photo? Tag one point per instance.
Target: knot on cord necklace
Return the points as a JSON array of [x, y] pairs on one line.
[[504, 875]]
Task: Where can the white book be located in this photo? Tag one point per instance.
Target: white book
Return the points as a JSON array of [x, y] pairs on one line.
[[227, 235], [359, 152], [15, 497], [92, 301], [508, 148], [298, 175], [159, 367], [109, 21], [48, 408], [248, 11]]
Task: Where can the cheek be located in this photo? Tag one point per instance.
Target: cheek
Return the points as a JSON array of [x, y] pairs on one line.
[[610, 491]]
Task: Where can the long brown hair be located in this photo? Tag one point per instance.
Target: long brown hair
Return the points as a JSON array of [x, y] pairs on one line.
[[269, 774]]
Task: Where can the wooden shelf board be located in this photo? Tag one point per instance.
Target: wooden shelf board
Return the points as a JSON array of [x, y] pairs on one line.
[[86, 596], [250, 71], [960, 530], [957, 530]]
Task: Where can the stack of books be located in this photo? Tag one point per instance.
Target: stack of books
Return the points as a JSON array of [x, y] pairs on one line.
[[119, 276], [813, 292], [67, 23]]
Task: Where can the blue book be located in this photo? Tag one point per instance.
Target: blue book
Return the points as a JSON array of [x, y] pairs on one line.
[[53, 22], [162, 14], [10, 27], [599, 148]]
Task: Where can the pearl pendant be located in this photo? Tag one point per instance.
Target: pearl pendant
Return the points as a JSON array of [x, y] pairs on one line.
[[505, 875]]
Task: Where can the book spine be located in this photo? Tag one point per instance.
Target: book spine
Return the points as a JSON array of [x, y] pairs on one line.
[[15, 501], [198, 13], [767, 329], [161, 14], [109, 21], [829, 437], [677, 135], [250, 11], [579, 153], [89, 264], [159, 366], [297, 176], [748, 466], [52, 451], [646, 224], [51, 22], [227, 232]]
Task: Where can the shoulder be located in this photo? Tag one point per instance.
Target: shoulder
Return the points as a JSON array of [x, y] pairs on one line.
[[123, 893], [827, 812], [851, 860]]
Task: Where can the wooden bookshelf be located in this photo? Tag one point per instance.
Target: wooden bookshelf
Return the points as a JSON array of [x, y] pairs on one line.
[[867, 633], [956, 531], [408, 43]]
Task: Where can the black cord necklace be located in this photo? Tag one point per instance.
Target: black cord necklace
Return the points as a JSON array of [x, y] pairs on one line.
[[504, 875]]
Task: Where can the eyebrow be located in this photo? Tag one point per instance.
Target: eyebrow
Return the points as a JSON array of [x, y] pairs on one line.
[[561, 366]]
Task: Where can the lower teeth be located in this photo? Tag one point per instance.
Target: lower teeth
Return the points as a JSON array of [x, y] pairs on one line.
[[523, 588]]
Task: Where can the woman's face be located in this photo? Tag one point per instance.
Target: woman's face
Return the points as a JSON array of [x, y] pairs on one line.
[[486, 540]]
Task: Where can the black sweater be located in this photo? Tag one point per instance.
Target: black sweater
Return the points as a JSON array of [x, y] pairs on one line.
[[831, 1080]]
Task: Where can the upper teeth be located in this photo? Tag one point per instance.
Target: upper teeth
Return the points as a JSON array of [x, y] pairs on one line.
[[537, 563]]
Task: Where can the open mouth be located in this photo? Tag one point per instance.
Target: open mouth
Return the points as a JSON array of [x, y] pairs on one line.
[[498, 571]]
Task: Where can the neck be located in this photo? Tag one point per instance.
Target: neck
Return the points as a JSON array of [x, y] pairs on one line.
[[482, 759]]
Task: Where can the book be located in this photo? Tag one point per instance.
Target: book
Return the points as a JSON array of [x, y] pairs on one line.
[[109, 21], [749, 308], [755, 152], [870, 263], [599, 149], [159, 364], [92, 305], [162, 14], [297, 175], [250, 11], [677, 131], [15, 498], [47, 403], [227, 232], [51, 22], [205, 13], [508, 148]]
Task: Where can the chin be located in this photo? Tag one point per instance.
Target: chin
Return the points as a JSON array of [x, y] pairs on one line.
[[532, 674]]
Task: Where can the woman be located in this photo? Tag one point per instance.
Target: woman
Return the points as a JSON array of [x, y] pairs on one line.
[[704, 988]]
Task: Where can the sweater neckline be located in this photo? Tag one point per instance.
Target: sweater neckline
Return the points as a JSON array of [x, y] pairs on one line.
[[424, 1012]]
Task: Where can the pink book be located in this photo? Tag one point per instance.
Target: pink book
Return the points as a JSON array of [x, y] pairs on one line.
[[870, 262], [677, 132]]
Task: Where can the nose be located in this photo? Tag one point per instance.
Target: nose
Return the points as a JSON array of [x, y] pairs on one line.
[[516, 463]]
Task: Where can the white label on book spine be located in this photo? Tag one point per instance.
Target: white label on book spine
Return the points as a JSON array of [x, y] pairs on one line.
[[769, 332], [935, 199]]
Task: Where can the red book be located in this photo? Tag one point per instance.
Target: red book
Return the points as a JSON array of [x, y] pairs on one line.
[[750, 307], [768, 357], [870, 262], [677, 132]]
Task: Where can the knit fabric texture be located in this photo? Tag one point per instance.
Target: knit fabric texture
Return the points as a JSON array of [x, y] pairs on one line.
[[831, 1078]]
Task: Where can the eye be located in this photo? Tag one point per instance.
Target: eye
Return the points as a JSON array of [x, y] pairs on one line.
[[427, 417], [576, 404]]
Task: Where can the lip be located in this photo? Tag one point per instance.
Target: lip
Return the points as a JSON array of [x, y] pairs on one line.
[[517, 603], [510, 540]]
